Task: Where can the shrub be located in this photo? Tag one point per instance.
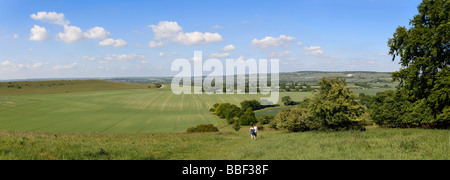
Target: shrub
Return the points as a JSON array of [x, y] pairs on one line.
[[236, 126], [203, 128]]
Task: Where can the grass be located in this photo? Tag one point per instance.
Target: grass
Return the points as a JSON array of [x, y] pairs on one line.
[[375, 143], [130, 111], [64, 86]]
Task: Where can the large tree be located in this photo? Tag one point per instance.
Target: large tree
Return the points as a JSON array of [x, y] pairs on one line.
[[424, 52]]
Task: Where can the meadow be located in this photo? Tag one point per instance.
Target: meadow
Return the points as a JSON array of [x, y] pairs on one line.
[[375, 143], [130, 111]]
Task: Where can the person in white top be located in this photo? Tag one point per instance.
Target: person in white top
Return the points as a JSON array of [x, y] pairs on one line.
[[255, 131], [252, 132]]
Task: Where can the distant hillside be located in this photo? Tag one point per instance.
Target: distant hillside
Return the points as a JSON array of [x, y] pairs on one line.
[[64, 86], [351, 76]]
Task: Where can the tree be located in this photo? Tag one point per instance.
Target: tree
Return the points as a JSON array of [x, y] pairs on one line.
[[236, 126], [424, 51], [335, 106], [254, 104], [287, 101], [248, 118]]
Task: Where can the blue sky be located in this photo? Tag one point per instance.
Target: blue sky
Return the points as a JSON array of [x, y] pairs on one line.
[[77, 38]]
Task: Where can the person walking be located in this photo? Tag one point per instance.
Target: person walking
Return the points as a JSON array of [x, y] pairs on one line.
[[255, 131], [252, 132]]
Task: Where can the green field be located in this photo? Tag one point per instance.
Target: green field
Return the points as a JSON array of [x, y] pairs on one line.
[[108, 120], [132, 111], [375, 143]]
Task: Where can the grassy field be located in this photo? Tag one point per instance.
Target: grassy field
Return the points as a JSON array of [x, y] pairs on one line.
[[375, 143], [131, 111]]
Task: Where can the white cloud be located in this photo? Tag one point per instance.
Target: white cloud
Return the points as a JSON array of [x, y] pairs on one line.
[[313, 51], [217, 27], [124, 57], [269, 42], [219, 55], [371, 62], [71, 34], [112, 42], [299, 43], [245, 22], [102, 62], [174, 53], [50, 17], [195, 58], [384, 54], [36, 65], [172, 31], [67, 66], [6, 63], [16, 36], [291, 59], [144, 62], [154, 44], [281, 54], [241, 58], [87, 58], [161, 54], [38, 33], [97, 33], [229, 48]]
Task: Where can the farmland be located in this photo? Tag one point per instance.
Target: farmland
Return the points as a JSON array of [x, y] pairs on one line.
[[130, 111]]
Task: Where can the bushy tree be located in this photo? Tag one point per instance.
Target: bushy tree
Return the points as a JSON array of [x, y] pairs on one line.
[[287, 100], [236, 126], [254, 104], [335, 106], [248, 118], [424, 52]]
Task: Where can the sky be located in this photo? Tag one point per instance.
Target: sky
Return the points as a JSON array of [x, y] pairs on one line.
[[107, 38]]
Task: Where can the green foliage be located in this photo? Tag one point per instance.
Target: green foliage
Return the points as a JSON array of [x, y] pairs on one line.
[[202, 128], [335, 106], [254, 104], [393, 109], [265, 119], [293, 120], [236, 126], [248, 118], [287, 101], [424, 56], [227, 111]]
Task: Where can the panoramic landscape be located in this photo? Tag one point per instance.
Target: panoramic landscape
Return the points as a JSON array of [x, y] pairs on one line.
[[86, 86]]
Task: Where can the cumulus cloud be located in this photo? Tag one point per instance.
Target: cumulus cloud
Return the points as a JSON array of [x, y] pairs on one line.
[[124, 57], [219, 55], [229, 48], [50, 17], [87, 58], [154, 44], [71, 34], [36, 65], [280, 54], [172, 31], [97, 33], [269, 42], [112, 42], [313, 51], [66, 66], [38, 33]]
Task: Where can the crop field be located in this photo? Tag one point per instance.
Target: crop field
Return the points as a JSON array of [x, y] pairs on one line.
[[133, 111]]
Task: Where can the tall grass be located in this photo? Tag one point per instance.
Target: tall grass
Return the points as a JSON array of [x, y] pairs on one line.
[[375, 143]]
